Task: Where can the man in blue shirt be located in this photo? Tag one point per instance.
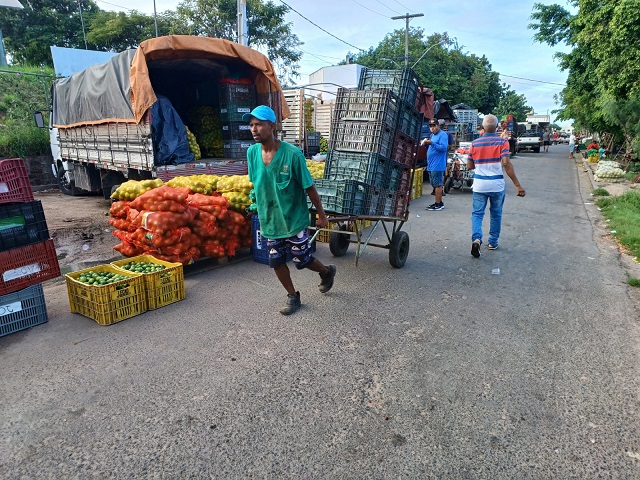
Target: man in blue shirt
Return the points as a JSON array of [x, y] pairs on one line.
[[436, 161]]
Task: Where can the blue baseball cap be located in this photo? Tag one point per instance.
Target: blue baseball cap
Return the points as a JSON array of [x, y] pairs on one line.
[[261, 112]]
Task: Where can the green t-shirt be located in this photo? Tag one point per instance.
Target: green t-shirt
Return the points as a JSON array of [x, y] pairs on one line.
[[280, 190]]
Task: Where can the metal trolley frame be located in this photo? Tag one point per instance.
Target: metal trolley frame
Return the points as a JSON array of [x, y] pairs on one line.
[[340, 237]]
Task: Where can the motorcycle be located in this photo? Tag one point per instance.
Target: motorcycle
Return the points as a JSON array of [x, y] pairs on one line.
[[457, 175]]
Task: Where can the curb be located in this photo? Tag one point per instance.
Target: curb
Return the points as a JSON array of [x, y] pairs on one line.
[[594, 184]]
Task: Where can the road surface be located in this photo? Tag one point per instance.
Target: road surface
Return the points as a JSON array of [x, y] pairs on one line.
[[437, 370]]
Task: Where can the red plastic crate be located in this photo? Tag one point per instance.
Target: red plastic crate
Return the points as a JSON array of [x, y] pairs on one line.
[[14, 181], [404, 149], [26, 266]]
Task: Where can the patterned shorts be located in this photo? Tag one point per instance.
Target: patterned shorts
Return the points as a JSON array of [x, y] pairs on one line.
[[296, 246]]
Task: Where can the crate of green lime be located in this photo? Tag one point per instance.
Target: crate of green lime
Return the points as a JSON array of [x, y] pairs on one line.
[[164, 281], [106, 294]]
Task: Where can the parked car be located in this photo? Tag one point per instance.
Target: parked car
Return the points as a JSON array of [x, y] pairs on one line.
[[531, 140]]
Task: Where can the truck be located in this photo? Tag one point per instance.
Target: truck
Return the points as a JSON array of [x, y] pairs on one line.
[[125, 118]]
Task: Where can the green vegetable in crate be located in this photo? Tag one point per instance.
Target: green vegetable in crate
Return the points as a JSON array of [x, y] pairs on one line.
[[99, 278], [143, 267], [193, 144]]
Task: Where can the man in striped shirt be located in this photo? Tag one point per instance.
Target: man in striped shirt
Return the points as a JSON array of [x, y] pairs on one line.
[[488, 155]]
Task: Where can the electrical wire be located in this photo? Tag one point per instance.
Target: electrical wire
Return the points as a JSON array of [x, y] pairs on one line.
[[367, 8], [532, 80], [385, 5], [318, 26], [406, 8], [114, 5]]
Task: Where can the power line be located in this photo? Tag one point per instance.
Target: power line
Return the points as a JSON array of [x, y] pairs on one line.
[[532, 80], [318, 56], [316, 25], [385, 5], [367, 8], [114, 5], [406, 8]]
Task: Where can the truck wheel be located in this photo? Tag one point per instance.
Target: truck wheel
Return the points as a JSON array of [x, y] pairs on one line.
[[399, 249], [536, 150], [66, 187], [339, 242], [447, 184]]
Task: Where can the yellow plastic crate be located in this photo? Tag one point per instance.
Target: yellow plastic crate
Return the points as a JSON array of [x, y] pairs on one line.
[[418, 180], [107, 304], [162, 287]]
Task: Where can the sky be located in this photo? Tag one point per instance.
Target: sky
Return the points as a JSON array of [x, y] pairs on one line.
[[497, 30]]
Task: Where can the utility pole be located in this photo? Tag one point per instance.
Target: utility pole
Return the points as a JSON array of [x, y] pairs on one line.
[[242, 23], [407, 17], [155, 17]]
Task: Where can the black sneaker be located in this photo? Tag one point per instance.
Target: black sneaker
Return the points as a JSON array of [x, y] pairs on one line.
[[435, 207], [475, 249], [327, 282], [293, 304]]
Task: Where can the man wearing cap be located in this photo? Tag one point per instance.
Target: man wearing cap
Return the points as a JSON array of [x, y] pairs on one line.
[[436, 161], [281, 180]]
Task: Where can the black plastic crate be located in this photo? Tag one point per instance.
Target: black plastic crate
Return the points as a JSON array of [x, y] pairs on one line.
[[394, 177], [367, 105], [238, 94], [233, 112], [410, 122], [344, 196], [22, 309], [403, 83], [236, 148], [313, 139], [236, 131], [369, 168], [22, 224], [365, 137]]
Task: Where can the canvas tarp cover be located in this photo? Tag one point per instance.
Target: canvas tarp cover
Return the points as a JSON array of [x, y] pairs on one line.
[[99, 94]]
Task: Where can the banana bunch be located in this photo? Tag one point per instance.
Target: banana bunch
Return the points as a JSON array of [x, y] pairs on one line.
[[193, 144], [316, 169]]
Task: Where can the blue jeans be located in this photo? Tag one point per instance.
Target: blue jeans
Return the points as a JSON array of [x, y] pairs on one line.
[[496, 200]]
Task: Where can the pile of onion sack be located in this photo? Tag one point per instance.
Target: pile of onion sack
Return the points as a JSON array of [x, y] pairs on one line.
[[176, 224]]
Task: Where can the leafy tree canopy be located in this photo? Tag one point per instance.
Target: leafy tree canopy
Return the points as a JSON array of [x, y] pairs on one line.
[[603, 65], [442, 66], [512, 103]]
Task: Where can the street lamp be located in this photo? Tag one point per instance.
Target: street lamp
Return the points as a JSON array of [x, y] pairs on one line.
[[425, 52]]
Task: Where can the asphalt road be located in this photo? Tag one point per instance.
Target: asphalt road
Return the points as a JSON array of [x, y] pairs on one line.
[[437, 370]]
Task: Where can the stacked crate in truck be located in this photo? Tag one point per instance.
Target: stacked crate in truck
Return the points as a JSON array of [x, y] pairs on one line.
[[27, 254], [374, 133], [293, 127], [236, 99], [469, 119]]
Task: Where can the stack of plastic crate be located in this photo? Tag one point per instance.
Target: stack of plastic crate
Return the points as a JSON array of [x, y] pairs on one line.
[[374, 133], [236, 99], [27, 254]]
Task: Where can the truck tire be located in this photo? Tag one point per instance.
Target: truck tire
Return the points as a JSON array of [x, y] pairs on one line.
[[536, 150], [66, 187]]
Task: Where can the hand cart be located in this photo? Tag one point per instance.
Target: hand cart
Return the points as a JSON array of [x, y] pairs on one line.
[[341, 237]]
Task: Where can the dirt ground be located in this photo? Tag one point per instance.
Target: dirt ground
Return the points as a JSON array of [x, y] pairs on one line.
[[80, 229]]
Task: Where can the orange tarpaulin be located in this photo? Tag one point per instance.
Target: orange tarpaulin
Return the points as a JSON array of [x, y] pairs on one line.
[[174, 47]]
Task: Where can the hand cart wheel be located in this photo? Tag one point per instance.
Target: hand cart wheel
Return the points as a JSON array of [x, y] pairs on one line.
[[399, 249], [339, 242], [447, 185]]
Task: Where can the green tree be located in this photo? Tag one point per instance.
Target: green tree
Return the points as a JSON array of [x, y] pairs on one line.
[[117, 31], [267, 29], [42, 23], [441, 65], [512, 103], [604, 62]]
